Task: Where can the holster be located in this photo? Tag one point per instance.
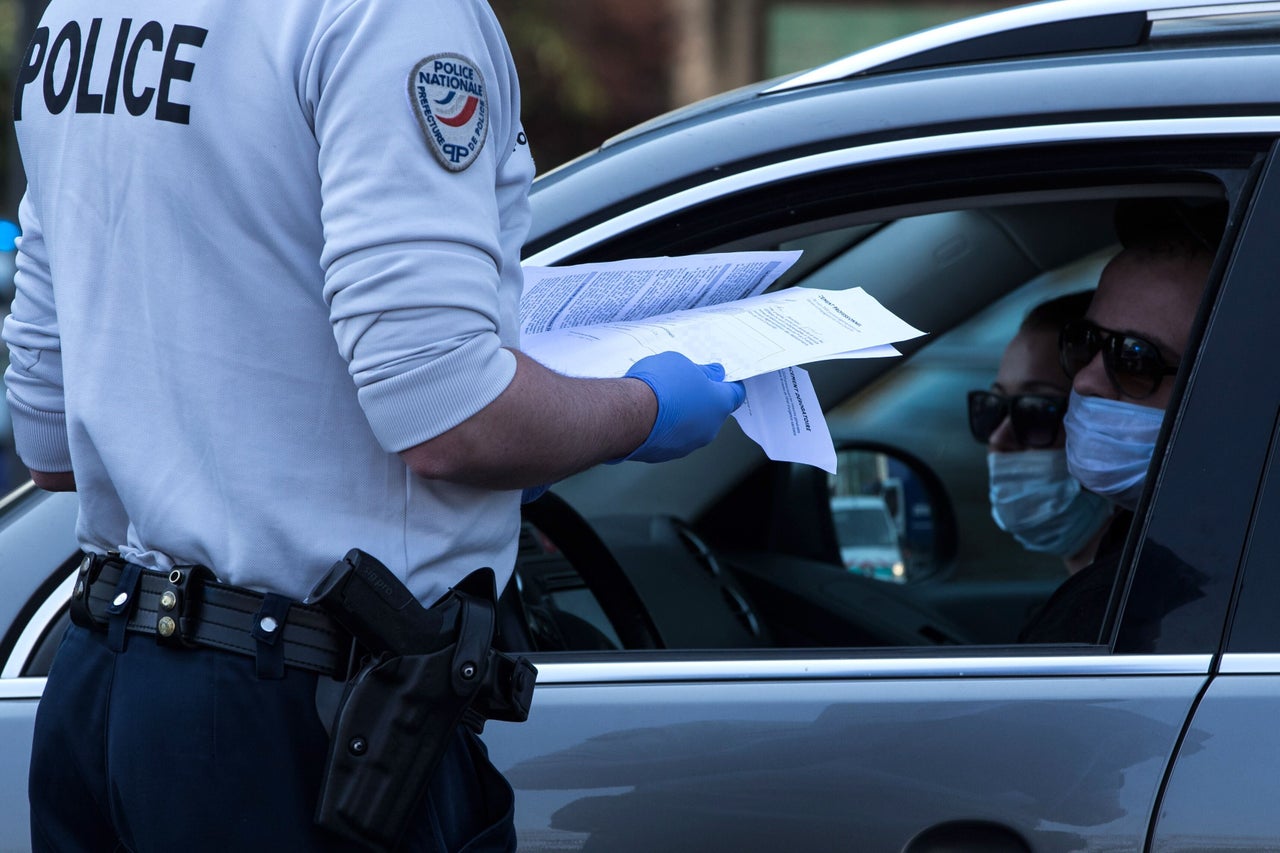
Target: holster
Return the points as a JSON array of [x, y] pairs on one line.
[[402, 708]]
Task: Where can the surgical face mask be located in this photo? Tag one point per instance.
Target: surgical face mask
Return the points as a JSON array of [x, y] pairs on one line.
[[1110, 444], [1035, 498]]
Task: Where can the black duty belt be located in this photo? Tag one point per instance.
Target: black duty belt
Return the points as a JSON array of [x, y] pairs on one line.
[[188, 606]]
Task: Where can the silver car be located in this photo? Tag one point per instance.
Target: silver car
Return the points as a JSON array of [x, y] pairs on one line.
[[867, 537], [711, 676]]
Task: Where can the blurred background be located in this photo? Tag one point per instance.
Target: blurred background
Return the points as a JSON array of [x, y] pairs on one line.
[[588, 70], [592, 69]]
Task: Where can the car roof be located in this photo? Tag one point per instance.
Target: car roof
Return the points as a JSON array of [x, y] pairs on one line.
[[1052, 27], [913, 89]]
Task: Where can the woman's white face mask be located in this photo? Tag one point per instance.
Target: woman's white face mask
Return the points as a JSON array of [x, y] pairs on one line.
[[1035, 498], [1110, 444]]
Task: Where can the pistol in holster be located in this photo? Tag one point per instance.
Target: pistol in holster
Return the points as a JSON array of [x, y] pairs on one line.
[[426, 671]]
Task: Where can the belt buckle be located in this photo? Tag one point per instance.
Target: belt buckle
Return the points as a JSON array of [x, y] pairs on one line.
[[178, 610]]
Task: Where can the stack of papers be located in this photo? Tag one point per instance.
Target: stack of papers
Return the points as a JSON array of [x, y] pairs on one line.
[[596, 320]]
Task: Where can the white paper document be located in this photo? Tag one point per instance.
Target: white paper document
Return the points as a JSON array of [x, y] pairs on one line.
[[589, 294], [596, 320], [748, 337], [783, 416]]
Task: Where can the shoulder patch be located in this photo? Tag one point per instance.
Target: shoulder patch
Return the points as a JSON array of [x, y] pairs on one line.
[[452, 106]]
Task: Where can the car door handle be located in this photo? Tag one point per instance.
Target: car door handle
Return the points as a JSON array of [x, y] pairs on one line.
[[967, 836]]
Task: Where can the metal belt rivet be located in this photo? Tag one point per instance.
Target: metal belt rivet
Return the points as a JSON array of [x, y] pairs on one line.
[[175, 576], [468, 671], [269, 625], [166, 626], [358, 746], [120, 599], [79, 589], [168, 600]]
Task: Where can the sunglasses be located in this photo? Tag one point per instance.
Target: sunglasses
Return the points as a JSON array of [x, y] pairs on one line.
[[1134, 365], [1035, 418]]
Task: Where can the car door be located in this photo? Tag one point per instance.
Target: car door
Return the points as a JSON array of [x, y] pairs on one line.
[[913, 749], [1223, 782], [37, 537]]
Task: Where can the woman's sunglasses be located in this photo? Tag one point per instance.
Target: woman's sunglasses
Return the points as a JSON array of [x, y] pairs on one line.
[[1133, 364], [1035, 418]]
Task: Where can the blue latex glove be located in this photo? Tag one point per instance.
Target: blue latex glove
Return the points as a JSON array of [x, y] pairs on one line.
[[693, 401]]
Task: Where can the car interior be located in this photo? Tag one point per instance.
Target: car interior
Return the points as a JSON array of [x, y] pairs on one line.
[[727, 550]]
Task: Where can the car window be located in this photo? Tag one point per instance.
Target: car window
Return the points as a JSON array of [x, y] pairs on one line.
[[900, 548]]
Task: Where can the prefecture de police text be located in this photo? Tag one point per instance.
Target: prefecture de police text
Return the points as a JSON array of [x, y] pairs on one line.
[[77, 54]]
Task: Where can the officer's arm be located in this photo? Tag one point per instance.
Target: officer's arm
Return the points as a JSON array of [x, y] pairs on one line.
[[57, 481], [545, 426], [33, 379]]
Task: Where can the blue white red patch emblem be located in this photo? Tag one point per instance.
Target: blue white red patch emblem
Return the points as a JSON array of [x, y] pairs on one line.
[[451, 103]]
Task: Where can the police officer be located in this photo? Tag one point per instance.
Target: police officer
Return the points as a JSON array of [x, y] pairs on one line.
[[267, 312]]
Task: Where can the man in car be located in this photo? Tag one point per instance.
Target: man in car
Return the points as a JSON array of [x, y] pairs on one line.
[[1122, 358], [267, 308]]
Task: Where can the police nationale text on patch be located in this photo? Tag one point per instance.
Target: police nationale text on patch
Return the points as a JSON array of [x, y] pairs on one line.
[[451, 103]]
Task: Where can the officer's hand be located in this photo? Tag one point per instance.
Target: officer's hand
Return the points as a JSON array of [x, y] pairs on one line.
[[693, 401]]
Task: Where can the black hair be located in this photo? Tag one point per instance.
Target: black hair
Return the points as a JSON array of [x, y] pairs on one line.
[[1168, 226], [1052, 315]]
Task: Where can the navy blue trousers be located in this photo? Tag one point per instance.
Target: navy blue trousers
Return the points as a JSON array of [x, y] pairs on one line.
[[160, 749]]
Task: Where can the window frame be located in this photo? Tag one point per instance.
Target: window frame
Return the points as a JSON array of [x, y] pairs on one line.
[[1081, 148]]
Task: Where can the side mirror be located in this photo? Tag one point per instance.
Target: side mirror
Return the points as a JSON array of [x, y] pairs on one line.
[[891, 516]]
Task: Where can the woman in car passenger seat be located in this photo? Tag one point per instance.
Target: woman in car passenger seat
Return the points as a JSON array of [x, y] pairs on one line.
[[1033, 495]]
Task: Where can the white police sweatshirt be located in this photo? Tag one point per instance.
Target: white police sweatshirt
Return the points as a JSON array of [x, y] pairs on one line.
[[266, 246]]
